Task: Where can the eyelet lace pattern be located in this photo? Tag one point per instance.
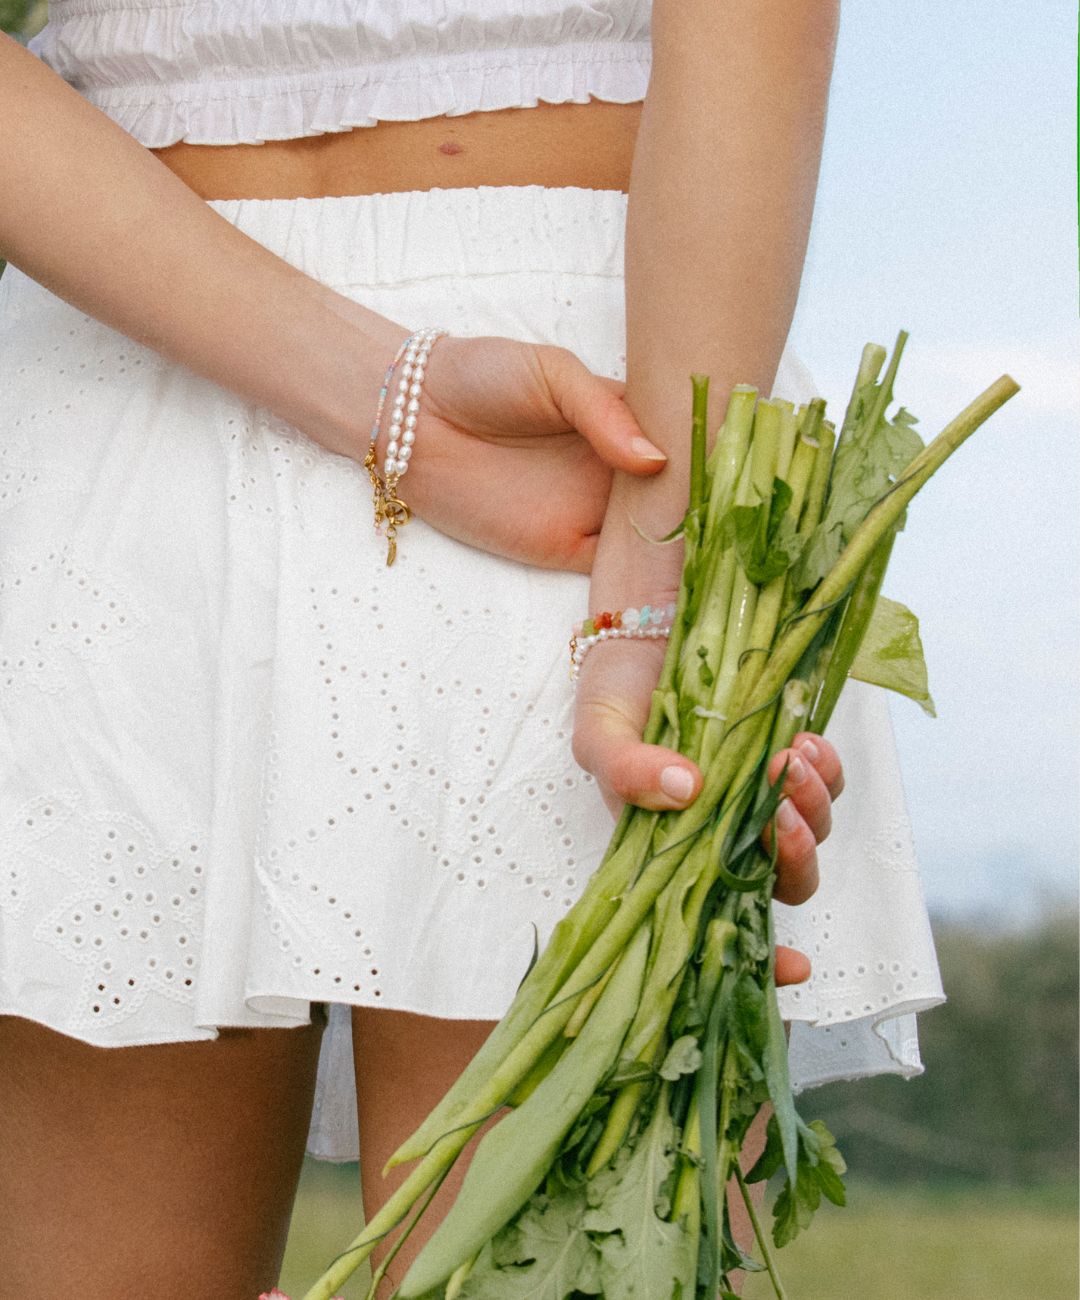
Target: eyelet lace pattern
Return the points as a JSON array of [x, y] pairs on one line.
[[245, 767]]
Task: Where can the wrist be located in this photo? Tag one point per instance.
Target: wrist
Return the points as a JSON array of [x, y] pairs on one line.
[[632, 565], [342, 352]]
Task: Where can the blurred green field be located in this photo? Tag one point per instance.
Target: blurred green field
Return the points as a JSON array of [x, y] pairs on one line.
[[908, 1243], [947, 1244]]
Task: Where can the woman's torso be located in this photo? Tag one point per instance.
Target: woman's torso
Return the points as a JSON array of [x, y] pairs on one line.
[[587, 145], [268, 99]]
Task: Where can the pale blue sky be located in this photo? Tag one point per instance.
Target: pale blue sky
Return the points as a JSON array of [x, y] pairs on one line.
[[948, 208]]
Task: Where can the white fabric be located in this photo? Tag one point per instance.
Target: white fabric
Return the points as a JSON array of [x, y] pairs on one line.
[[245, 767], [245, 71]]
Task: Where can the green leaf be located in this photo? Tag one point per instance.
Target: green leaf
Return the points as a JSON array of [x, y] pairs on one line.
[[750, 1019], [870, 457], [544, 1255], [643, 1256], [775, 1062], [745, 884], [771, 1158], [820, 1165], [687, 1016], [891, 654], [831, 1164], [818, 556], [765, 536], [628, 1071], [753, 937], [683, 1057], [794, 1207]]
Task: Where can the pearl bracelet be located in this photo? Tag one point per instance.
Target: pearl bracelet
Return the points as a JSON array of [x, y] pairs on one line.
[[389, 507], [403, 417], [649, 622]]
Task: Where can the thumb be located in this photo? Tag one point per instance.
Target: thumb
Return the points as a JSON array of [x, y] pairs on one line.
[[611, 710], [594, 406]]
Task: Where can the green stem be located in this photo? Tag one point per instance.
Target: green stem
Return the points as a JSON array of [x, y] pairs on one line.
[[727, 1152], [857, 614], [379, 1273], [712, 582], [885, 392], [771, 598], [698, 438], [879, 520], [430, 1170], [456, 1280], [789, 428], [764, 454], [762, 1241], [687, 1199], [814, 504], [870, 363], [729, 454], [571, 940]]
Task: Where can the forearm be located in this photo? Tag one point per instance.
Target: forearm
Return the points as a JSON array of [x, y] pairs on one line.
[[721, 196], [102, 223]]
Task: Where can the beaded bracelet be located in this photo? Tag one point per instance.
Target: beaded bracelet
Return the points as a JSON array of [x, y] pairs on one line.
[[403, 417], [389, 507], [650, 621]]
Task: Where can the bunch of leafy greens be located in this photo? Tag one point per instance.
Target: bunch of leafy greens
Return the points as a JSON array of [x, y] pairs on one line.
[[647, 1036]]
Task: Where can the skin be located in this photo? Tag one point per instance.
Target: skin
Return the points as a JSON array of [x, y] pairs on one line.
[[170, 1169]]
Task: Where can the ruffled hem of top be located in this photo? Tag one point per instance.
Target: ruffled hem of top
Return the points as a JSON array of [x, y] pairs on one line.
[[254, 70], [252, 112]]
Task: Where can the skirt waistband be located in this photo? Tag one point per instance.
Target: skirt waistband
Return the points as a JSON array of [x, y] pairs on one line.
[[369, 239]]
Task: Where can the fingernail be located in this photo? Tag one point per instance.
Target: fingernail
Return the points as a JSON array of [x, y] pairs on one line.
[[808, 748], [677, 783], [645, 449], [786, 816], [796, 771]]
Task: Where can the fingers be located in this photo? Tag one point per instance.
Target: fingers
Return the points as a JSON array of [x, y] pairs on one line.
[[792, 967], [804, 818], [804, 787], [593, 405], [824, 758]]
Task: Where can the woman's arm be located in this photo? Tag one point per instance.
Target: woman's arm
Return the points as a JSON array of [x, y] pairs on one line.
[[722, 190], [96, 218], [721, 196]]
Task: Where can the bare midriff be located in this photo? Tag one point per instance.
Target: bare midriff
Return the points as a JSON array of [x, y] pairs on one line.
[[588, 145]]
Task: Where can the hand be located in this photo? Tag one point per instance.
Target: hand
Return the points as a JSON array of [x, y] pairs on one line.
[[614, 690], [515, 450], [814, 779]]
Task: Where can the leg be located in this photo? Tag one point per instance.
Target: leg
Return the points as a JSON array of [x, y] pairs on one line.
[[165, 1171], [404, 1064]]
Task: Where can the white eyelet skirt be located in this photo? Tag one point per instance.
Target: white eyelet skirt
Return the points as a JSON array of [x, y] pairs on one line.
[[245, 767]]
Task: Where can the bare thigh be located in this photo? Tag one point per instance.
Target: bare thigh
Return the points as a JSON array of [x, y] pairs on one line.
[[404, 1063], [165, 1170]]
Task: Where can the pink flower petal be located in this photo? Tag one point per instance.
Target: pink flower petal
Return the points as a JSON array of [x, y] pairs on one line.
[[280, 1295]]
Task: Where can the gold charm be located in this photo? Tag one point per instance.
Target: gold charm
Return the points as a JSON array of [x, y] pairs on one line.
[[392, 511]]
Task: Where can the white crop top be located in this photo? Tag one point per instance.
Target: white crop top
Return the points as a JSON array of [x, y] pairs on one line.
[[244, 71]]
